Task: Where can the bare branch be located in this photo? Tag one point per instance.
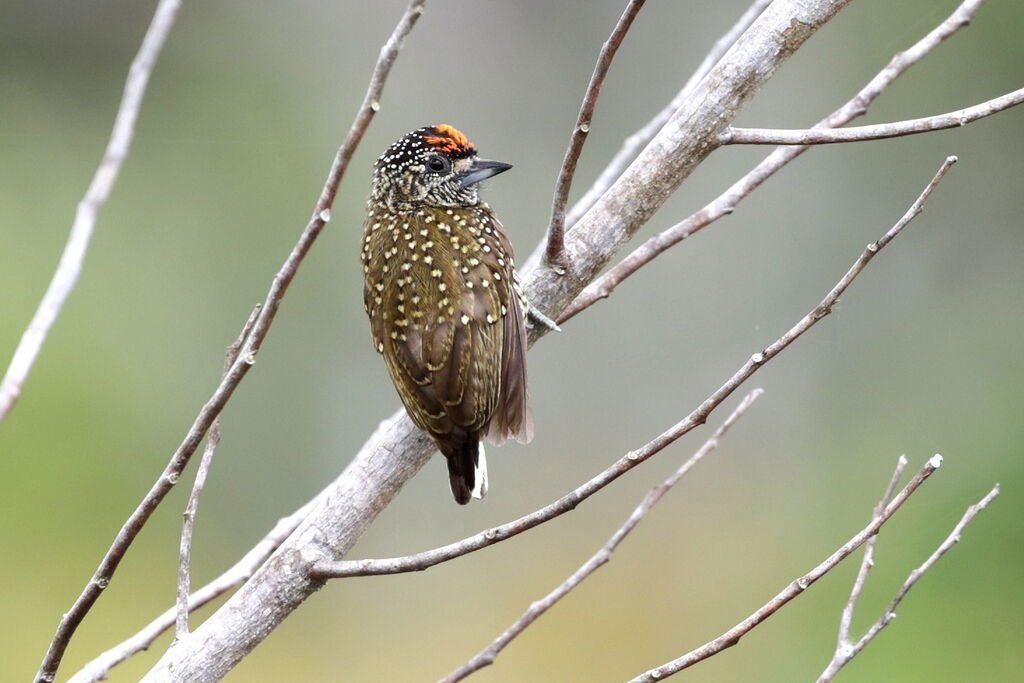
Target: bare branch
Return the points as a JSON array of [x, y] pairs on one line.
[[727, 202], [429, 558], [487, 656], [247, 356], [70, 265], [189, 517], [869, 553], [846, 649], [397, 450], [579, 134], [99, 668], [639, 139], [880, 131], [795, 587]]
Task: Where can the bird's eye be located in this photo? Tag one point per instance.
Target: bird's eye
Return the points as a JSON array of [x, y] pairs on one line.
[[437, 164]]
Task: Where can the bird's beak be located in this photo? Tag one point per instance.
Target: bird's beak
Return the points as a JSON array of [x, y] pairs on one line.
[[481, 169]]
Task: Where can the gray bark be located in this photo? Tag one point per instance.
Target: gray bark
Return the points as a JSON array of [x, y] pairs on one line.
[[397, 450]]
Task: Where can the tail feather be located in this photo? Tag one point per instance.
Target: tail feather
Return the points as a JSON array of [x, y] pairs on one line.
[[467, 465]]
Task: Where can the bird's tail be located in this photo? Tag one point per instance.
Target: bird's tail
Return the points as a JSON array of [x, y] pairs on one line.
[[467, 467]]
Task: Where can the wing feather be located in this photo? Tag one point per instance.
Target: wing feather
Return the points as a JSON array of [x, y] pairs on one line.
[[455, 352]]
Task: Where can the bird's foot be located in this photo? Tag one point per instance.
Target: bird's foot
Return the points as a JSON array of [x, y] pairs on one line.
[[536, 316]]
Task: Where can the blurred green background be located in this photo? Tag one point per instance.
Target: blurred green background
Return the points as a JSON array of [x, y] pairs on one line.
[[246, 107]]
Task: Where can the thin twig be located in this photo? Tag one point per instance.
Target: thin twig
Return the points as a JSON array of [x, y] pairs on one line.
[[397, 450], [640, 138], [99, 668], [793, 589], [189, 517], [247, 355], [487, 656], [429, 558], [879, 131], [556, 229], [846, 649], [727, 202], [70, 265], [869, 554]]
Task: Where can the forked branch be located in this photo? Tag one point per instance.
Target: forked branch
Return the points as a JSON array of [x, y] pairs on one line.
[[487, 656], [727, 202], [635, 142], [429, 558], [793, 589], [847, 648], [99, 668]]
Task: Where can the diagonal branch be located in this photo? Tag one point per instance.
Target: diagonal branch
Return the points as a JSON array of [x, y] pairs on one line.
[[879, 131], [847, 649], [70, 265], [683, 143], [99, 668], [429, 558], [487, 656], [727, 202], [635, 142], [579, 133], [397, 450], [793, 589], [246, 357]]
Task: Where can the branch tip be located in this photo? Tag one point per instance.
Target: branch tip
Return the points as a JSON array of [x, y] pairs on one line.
[[880, 131], [554, 254]]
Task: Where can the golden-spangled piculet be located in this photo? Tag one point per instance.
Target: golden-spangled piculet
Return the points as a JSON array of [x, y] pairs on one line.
[[446, 309]]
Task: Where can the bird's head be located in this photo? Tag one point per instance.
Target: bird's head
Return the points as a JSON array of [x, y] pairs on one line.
[[431, 166]]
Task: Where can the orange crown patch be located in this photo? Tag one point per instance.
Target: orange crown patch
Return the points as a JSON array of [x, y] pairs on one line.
[[450, 139]]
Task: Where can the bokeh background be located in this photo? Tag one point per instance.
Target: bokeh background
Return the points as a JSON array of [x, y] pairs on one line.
[[246, 107]]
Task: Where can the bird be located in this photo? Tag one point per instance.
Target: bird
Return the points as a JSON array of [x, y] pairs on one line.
[[446, 307]]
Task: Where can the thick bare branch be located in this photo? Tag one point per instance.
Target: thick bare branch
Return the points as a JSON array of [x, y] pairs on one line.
[[247, 355], [879, 131], [397, 450], [70, 265], [686, 139], [847, 649], [99, 668], [429, 558], [793, 589], [487, 656], [727, 202], [556, 228]]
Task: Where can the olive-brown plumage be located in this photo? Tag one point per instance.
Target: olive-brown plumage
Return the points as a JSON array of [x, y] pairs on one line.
[[443, 297]]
